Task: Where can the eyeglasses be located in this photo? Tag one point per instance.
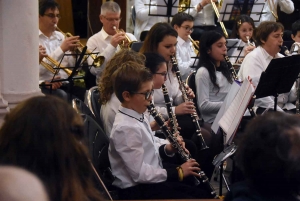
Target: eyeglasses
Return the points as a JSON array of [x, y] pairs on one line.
[[188, 28], [112, 19], [51, 15], [146, 94], [162, 74]]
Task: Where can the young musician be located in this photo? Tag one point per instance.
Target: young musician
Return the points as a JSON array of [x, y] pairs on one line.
[[135, 154], [162, 39], [106, 41], [48, 142], [269, 156], [185, 54], [109, 101], [296, 35], [213, 78], [244, 30], [56, 46], [269, 41]]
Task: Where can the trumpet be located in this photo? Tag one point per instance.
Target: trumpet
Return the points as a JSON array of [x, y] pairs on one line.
[[123, 44], [195, 45], [98, 60], [55, 63], [218, 15], [248, 41]]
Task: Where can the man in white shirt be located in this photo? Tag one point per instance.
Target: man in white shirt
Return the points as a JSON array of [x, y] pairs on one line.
[[56, 46], [107, 41], [270, 10], [143, 21], [269, 39], [185, 54]]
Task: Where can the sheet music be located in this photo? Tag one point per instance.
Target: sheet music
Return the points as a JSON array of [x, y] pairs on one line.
[[233, 115], [226, 103], [257, 10], [234, 50], [162, 7]]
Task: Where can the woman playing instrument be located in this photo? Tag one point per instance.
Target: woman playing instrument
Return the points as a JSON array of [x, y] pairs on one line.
[[162, 39], [244, 30], [213, 78], [43, 135]]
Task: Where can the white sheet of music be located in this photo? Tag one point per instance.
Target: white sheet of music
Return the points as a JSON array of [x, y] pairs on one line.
[[162, 7], [229, 122]]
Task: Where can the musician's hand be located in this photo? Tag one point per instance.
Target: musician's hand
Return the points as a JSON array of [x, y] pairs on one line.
[[189, 92], [185, 108], [191, 167], [55, 85], [42, 53], [181, 142], [248, 49], [70, 43], [117, 38], [154, 126]]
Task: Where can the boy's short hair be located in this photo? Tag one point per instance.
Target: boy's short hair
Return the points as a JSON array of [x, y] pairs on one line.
[[180, 18], [129, 77], [295, 27], [45, 5], [265, 29]]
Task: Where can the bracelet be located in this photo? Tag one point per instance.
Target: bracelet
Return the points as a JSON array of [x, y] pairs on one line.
[[180, 173], [200, 5]]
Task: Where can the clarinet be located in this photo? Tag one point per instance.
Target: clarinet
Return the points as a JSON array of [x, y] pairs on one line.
[[194, 116], [172, 139], [171, 115], [231, 68]]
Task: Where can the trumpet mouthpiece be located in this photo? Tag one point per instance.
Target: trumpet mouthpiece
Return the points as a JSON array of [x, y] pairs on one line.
[[114, 27], [55, 25]]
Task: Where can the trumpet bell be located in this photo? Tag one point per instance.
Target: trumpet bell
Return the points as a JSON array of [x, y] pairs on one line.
[[98, 61]]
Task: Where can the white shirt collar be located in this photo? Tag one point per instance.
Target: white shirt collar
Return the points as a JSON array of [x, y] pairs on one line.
[[131, 113], [181, 41], [104, 34], [53, 35]]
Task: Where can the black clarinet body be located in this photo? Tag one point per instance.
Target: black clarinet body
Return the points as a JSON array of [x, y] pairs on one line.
[[195, 118], [185, 157], [231, 68], [171, 115]]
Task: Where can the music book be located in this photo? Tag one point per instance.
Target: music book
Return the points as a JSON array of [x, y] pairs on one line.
[[230, 121]]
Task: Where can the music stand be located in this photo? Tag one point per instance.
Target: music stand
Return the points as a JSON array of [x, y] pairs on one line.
[[234, 50], [233, 8], [72, 76], [278, 78]]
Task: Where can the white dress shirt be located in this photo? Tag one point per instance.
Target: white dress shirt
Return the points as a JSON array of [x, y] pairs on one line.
[[286, 6], [53, 49], [253, 65], [184, 54], [206, 16], [133, 151], [173, 91], [143, 21], [100, 43], [209, 99]]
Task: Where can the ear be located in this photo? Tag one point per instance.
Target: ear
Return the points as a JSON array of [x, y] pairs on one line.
[[126, 96], [101, 18], [262, 41], [208, 51], [292, 36], [176, 27]]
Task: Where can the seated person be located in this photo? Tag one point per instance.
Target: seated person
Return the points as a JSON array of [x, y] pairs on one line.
[[269, 157], [134, 154], [296, 37], [185, 54], [48, 142]]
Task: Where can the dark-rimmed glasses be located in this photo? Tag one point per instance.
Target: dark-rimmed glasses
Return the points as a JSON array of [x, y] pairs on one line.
[[146, 94], [191, 29], [113, 19], [162, 74], [51, 15]]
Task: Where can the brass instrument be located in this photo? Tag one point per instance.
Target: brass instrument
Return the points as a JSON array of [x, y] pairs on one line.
[[123, 44], [183, 5], [218, 15], [195, 45], [55, 63], [295, 48], [248, 41], [98, 60]]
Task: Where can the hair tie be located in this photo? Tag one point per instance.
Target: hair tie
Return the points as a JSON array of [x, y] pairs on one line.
[[239, 22]]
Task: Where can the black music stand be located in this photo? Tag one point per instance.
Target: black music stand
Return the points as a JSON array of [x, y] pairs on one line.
[[72, 76], [278, 78], [233, 8], [234, 50]]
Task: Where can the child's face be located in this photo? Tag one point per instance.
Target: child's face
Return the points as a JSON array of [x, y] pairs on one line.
[[167, 47], [296, 38], [246, 29], [185, 29], [218, 50], [160, 76], [138, 101]]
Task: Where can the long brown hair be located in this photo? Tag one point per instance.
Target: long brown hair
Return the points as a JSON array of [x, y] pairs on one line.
[[42, 135], [105, 83]]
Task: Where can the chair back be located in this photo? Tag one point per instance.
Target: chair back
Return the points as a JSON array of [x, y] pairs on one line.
[[133, 15], [136, 46], [93, 98], [82, 108]]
